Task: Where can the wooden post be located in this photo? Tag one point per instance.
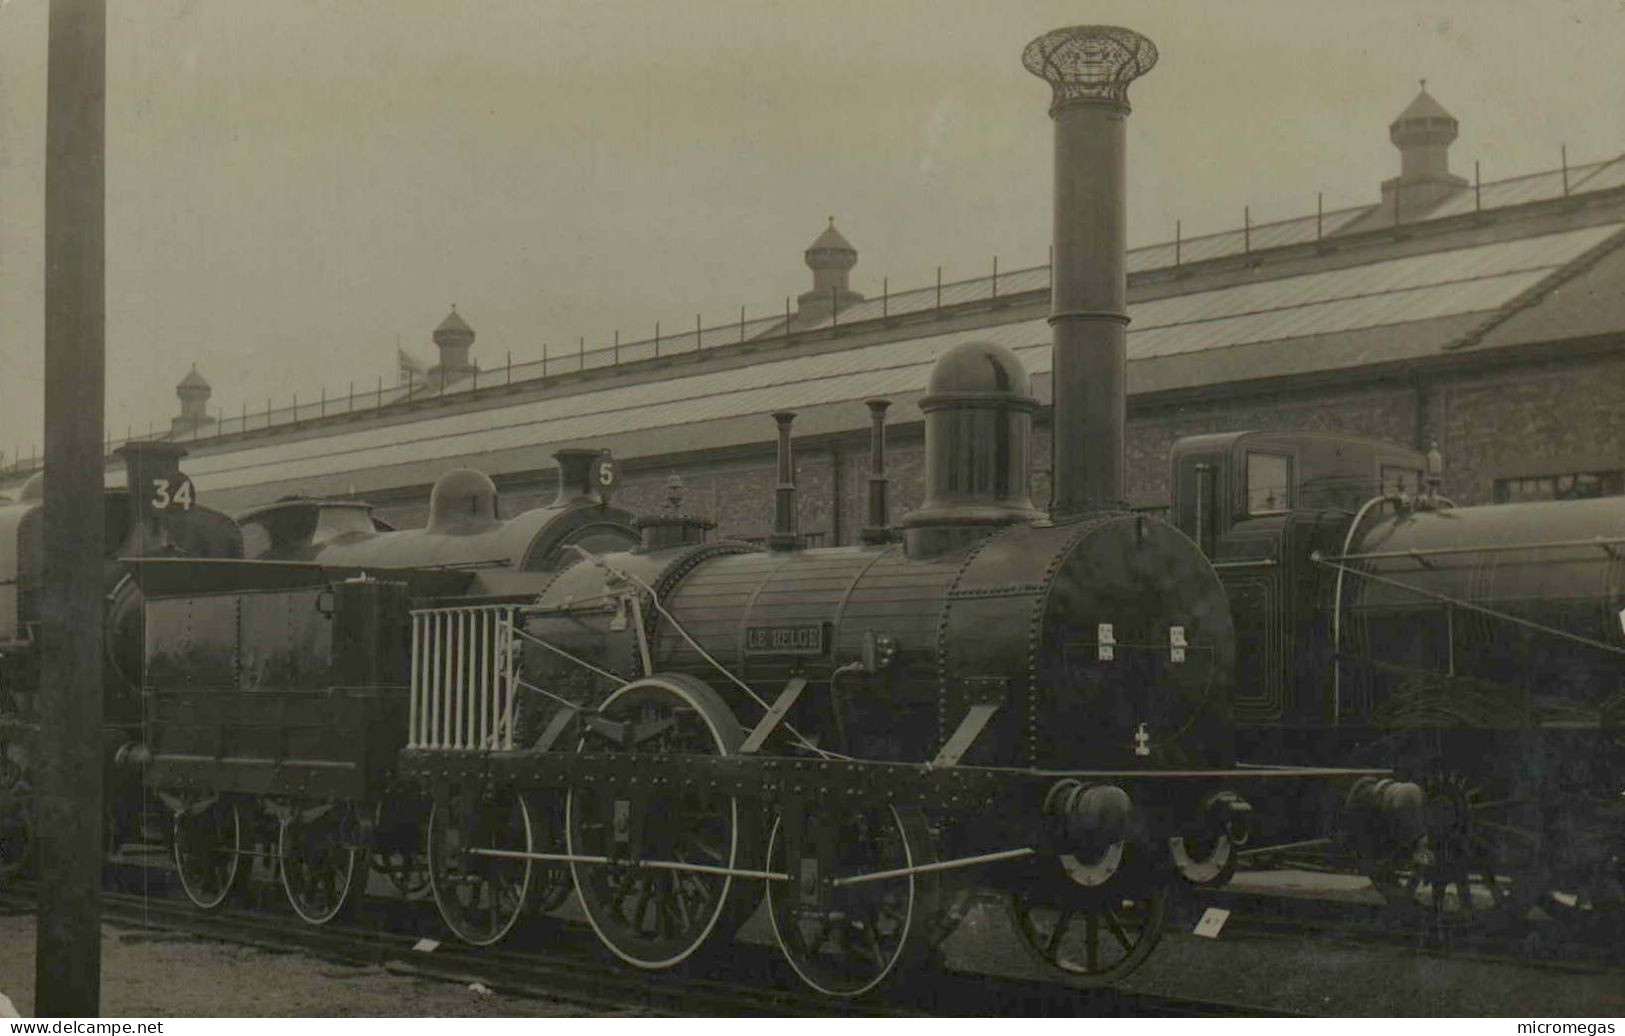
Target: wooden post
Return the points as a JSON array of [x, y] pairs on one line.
[[68, 947]]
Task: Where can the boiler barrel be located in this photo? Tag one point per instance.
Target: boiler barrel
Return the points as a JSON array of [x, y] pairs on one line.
[[1461, 591]]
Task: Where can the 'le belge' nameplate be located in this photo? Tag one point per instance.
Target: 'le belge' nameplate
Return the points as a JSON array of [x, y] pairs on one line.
[[809, 638]]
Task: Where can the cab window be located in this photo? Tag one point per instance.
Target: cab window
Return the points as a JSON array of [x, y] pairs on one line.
[[1401, 478], [1269, 483]]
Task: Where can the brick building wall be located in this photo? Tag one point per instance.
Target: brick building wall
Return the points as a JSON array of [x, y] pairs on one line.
[[1535, 419], [1511, 421]]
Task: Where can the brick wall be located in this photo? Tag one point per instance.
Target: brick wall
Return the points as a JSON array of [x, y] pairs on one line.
[[1514, 421], [1539, 419]]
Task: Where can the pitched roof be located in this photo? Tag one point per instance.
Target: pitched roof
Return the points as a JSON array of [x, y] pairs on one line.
[[193, 380], [831, 239], [454, 322], [1392, 309], [1423, 106]]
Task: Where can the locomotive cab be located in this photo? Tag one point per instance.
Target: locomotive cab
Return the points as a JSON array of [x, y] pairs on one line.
[[1260, 504]]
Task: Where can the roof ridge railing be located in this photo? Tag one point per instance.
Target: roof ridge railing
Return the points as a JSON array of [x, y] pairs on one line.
[[698, 338]]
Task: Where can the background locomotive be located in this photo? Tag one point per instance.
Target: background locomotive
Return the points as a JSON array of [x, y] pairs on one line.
[[1481, 650], [155, 515]]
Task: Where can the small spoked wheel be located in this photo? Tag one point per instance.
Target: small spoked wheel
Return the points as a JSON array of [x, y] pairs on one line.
[[406, 870], [1207, 861], [208, 851], [667, 883], [843, 937], [324, 860], [1483, 862], [480, 893], [1099, 938], [16, 832], [398, 848]]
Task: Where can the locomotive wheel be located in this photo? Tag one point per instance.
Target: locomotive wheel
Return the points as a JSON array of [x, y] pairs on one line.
[[407, 871], [1483, 861], [1101, 939], [399, 852], [324, 865], [551, 885], [16, 832], [480, 897], [844, 940], [656, 918], [208, 851], [1206, 861]]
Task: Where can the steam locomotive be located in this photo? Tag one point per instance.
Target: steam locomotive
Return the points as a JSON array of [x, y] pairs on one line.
[[1478, 650], [1036, 702], [983, 693], [667, 725], [156, 514]]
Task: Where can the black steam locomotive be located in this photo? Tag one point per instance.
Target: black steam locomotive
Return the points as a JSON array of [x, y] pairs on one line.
[[1479, 650], [155, 515], [668, 725], [1043, 703]]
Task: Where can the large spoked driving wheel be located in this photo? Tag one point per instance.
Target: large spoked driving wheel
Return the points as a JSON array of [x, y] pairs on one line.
[[1099, 938], [208, 851], [657, 916], [481, 893], [844, 935], [1482, 863], [324, 862]]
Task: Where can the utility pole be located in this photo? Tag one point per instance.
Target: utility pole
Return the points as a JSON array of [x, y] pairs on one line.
[[68, 948]]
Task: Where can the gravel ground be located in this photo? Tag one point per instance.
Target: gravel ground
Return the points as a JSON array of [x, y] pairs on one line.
[[167, 974], [1323, 977], [171, 975]]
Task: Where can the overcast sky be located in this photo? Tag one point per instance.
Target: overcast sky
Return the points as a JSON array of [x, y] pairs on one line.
[[294, 186]]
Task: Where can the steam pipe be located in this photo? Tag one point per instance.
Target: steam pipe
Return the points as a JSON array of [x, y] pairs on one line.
[[877, 529], [784, 494], [1089, 68]]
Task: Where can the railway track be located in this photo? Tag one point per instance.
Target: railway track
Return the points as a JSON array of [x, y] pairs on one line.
[[556, 959]]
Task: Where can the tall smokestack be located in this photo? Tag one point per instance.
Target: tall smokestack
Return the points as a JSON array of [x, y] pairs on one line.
[[1089, 68]]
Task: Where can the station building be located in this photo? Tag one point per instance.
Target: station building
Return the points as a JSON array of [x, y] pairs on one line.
[[1486, 319]]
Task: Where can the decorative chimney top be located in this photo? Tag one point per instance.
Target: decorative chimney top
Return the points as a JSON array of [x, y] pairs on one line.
[[1090, 64], [192, 384], [193, 392], [1423, 133], [831, 258]]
